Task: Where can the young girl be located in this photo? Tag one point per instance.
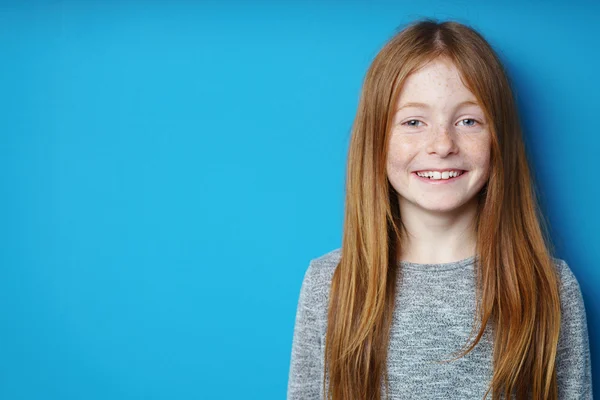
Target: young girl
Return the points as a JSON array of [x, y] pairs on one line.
[[443, 241]]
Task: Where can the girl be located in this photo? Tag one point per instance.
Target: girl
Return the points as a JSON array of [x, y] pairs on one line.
[[443, 241]]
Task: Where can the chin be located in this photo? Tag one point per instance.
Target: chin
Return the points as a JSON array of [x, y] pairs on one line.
[[436, 206], [441, 210]]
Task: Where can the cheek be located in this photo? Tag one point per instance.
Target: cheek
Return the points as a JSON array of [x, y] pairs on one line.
[[480, 154], [478, 151], [400, 155], [485, 153], [400, 152]]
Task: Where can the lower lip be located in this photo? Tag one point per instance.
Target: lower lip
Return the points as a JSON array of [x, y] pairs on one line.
[[439, 181]]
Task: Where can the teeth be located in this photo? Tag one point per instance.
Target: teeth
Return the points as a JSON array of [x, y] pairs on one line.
[[439, 175]]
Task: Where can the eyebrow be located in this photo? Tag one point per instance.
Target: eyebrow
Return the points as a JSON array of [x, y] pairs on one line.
[[423, 105]]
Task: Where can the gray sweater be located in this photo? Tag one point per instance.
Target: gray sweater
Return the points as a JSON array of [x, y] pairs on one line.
[[433, 315]]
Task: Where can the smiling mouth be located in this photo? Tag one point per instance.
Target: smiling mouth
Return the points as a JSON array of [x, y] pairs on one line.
[[437, 176]]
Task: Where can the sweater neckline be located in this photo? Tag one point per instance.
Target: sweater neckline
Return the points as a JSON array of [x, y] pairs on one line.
[[428, 267]]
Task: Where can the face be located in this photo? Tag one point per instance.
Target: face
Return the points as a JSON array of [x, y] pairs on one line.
[[438, 130]]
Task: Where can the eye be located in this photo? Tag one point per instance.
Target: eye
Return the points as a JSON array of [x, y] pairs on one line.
[[469, 119], [410, 123]]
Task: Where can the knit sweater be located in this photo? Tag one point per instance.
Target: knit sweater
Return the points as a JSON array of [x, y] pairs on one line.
[[433, 316]]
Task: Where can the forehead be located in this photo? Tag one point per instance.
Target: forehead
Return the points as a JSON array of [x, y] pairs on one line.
[[436, 80]]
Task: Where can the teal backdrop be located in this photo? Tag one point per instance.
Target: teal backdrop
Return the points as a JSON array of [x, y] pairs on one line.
[[169, 169]]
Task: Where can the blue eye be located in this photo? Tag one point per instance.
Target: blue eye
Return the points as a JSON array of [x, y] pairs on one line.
[[411, 125], [469, 119]]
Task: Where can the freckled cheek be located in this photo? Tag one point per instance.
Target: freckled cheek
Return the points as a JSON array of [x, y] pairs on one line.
[[399, 159], [400, 150], [479, 154]]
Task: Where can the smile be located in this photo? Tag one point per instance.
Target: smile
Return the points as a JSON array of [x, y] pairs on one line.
[[441, 180]]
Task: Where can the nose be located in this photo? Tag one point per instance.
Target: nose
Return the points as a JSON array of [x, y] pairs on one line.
[[442, 142]]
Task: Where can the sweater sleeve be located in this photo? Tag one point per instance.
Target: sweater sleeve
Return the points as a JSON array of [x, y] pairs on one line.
[[305, 375], [574, 371]]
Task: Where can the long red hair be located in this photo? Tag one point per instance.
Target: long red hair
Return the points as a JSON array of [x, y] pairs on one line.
[[517, 284]]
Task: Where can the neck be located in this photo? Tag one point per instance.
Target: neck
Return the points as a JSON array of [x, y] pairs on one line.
[[432, 237]]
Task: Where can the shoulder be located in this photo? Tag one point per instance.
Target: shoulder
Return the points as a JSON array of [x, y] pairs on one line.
[[573, 351], [318, 276], [326, 263], [568, 280], [571, 296], [321, 268]]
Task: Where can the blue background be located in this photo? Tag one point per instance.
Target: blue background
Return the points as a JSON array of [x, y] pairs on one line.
[[168, 170]]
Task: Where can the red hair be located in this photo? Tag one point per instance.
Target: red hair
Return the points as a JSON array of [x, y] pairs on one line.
[[517, 284]]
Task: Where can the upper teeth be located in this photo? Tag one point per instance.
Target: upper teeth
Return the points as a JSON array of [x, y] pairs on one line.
[[439, 175]]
